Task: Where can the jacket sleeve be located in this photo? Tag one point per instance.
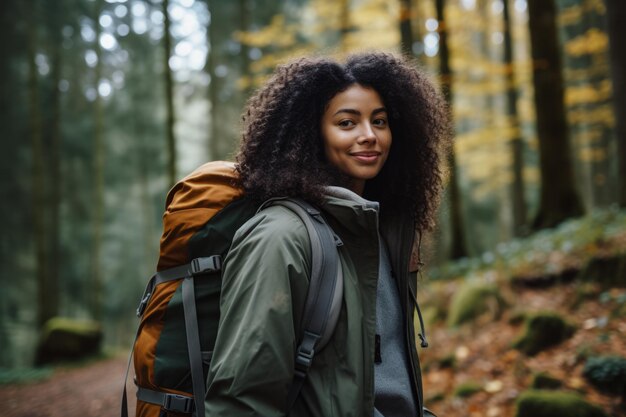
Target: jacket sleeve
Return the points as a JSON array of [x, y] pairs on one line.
[[264, 284]]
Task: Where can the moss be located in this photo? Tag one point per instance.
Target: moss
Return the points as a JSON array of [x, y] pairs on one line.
[[448, 361], [553, 404], [435, 398], [542, 380], [467, 389], [608, 272], [542, 331], [64, 339], [471, 300], [607, 373]]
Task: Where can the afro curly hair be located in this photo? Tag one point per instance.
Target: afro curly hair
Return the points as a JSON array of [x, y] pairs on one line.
[[282, 150]]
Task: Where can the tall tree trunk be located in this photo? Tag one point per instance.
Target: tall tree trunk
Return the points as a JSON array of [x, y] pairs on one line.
[[406, 31], [169, 96], [459, 248], [559, 198], [344, 23], [98, 179], [517, 143], [244, 26], [214, 140], [56, 58], [38, 192], [616, 16]]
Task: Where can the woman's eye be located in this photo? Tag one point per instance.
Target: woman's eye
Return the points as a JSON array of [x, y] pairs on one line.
[[346, 123], [380, 122]]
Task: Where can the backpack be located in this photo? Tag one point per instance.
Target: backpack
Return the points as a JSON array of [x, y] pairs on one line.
[[179, 310]]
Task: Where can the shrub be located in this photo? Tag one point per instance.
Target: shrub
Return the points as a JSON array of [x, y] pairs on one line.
[[553, 404], [607, 373], [542, 331]]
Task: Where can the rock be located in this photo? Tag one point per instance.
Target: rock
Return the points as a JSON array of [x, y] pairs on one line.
[[553, 404], [542, 331], [64, 339], [542, 380], [607, 373], [472, 300]]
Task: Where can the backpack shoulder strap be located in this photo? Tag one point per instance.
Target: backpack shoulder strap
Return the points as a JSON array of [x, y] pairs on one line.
[[325, 293]]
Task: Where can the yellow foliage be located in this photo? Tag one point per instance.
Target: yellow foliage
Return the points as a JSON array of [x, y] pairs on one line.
[[599, 115], [591, 42], [277, 34], [592, 154], [588, 93], [573, 15]]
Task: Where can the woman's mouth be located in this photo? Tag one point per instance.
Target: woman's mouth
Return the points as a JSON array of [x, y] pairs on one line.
[[366, 157]]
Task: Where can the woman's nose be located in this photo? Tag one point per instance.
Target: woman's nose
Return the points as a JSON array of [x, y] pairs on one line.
[[367, 134]]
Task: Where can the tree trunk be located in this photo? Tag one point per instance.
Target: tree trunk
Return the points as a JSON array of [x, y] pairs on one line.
[[406, 31], [244, 26], [616, 16], [559, 198], [98, 179], [38, 192], [169, 96], [344, 23], [517, 143], [56, 58], [459, 248], [214, 148]]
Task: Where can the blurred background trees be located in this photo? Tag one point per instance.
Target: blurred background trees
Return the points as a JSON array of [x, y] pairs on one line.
[[106, 102]]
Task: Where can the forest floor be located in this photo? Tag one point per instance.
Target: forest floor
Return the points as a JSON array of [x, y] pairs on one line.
[[92, 390], [480, 354]]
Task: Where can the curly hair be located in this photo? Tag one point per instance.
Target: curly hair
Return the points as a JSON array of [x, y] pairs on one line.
[[282, 150]]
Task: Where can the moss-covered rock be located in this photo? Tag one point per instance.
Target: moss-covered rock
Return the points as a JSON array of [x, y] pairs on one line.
[[543, 330], [607, 373], [542, 380], [467, 389], [608, 272], [472, 300], [555, 404], [64, 339]]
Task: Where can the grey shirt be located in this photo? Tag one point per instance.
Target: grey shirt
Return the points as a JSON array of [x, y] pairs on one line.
[[394, 395]]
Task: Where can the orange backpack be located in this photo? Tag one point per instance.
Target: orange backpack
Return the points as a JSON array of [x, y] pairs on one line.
[[179, 310]]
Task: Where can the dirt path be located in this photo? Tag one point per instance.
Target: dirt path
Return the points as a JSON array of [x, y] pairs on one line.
[[91, 391]]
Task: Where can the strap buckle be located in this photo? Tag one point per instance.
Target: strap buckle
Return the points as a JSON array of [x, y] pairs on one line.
[[206, 265], [143, 303], [304, 358], [177, 403]]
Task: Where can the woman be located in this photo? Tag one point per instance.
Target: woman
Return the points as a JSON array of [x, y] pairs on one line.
[[362, 141]]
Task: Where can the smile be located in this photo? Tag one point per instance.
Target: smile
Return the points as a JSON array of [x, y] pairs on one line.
[[366, 157]]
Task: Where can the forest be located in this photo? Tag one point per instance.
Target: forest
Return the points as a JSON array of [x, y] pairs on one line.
[[105, 104]]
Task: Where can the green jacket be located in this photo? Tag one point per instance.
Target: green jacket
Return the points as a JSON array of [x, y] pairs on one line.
[[264, 286]]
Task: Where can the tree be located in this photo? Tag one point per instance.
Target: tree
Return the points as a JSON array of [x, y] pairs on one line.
[[45, 311], [517, 144], [169, 95], [406, 32], [616, 16], [98, 175], [559, 198], [459, 248]]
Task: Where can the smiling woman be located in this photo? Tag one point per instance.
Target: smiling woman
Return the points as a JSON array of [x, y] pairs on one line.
[[356, 134], [363, 141]]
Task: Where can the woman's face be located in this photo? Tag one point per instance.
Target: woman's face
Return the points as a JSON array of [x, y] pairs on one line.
[[356, 134]]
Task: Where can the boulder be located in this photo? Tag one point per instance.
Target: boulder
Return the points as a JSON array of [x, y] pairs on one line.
[[64, 339]]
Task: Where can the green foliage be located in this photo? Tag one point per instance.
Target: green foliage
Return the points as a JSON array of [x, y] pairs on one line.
[[542, 331], [472, 300], [542, 380], [607, 373], [552, 404], [24, 375], [569, 246], [467, 389]]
